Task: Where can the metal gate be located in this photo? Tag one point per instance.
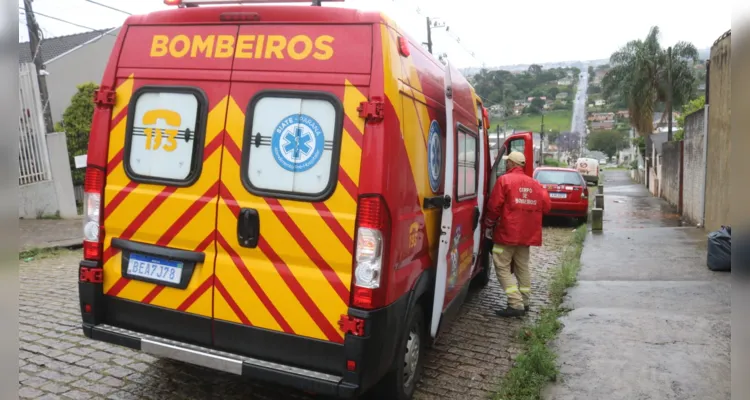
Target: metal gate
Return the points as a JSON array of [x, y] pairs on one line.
[[33, 158]]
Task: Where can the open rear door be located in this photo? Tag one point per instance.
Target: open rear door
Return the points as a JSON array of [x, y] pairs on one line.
[[446, 222], [482, 173]]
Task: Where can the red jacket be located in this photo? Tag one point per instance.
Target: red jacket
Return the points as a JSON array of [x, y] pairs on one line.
[[519, 202]]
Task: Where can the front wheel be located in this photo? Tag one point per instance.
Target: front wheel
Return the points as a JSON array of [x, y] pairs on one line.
[[401, 381]]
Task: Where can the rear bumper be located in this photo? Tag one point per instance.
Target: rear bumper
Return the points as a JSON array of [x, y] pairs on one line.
[[299, 378], [569, 209], [289, 360]]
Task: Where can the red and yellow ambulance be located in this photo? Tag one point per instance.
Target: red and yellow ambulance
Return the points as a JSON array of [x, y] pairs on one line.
[[291, 194]]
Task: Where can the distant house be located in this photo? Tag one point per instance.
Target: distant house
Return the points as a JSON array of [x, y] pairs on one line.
[[603, 125], [599, 117], [565, 82], [70, 61], [599, 102], [624, 114], [561, 96]]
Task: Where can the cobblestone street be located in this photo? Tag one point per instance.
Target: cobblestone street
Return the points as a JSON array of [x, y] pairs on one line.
[[57, 361]]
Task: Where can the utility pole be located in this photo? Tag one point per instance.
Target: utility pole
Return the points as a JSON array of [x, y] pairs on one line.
[[669, 93], [429, 35], [36, 53]]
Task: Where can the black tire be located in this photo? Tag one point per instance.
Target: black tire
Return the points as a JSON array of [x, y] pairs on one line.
[[393, 385], [584, 219], [483, 277]]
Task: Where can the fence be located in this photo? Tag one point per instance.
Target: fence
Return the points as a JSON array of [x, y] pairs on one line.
[[33, 157]]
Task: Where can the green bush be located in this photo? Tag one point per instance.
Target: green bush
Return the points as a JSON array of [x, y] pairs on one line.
[[551, 162], [76, 123]]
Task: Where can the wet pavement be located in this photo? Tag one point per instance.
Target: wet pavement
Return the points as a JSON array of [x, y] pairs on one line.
[[648, 319], [57, 362]]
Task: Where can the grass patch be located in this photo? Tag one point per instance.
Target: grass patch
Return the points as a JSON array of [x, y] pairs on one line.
[[559, 120], [537, 363], [40, 254]]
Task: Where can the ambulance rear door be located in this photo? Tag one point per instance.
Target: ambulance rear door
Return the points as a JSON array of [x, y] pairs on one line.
[[289, 187], [162, 182]]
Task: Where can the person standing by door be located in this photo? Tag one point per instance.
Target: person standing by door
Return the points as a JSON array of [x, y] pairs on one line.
[[514, 221]]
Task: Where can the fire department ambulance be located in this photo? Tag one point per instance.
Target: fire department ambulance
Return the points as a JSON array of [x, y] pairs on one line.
[[291, 194]]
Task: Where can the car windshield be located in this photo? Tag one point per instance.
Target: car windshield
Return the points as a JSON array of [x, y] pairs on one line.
[[551, 177]]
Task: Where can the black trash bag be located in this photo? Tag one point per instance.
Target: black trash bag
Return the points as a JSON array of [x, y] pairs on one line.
[[720, 250]]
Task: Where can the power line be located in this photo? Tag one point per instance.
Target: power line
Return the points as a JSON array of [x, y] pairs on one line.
[[110, 7], [450, 34], [67, 22]]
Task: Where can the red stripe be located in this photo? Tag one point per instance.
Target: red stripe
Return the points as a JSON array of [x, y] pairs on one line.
[[197, 293], [118, 286], [232, 304], [152, 294], [188, 215], [254, 284], [309, 249], [348, 183], [354, 132], [212, 146], [119, 198], [119, 117], [117, 159], [231, 203], [323, 323], [335, 226], [206, 242], [233, 150], [144, 215]]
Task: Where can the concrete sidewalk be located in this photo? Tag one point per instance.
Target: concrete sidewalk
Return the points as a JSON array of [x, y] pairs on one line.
[[47, 233], [648, 319]]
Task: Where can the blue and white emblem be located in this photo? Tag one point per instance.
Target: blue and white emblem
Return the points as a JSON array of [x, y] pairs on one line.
[[297, 143], [434, 156]]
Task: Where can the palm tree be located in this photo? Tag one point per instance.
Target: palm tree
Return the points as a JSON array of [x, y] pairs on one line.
[[640, 74]]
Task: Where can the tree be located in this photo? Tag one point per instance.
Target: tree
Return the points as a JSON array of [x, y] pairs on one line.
[[535, 69], [537, 105], [687, 109], [77, 124], [608, 142], [640, 72]]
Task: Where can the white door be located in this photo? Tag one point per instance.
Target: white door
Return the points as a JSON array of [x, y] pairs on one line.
[[446, 223]]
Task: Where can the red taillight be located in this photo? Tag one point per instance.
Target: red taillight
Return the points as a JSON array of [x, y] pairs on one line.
[[93, 234], [173, 2], [372, 213], [373, 224], [351, 365]]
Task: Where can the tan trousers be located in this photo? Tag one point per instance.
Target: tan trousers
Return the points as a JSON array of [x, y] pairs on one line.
[[518, 287]]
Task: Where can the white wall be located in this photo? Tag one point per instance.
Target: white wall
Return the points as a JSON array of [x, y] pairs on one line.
[[55, 196]]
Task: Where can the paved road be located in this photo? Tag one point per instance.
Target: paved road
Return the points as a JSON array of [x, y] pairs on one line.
[[578, 124], [649, 320], [57, 361]]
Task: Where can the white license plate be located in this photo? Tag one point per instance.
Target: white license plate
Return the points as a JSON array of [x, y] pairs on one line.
[[558, 195], [155, 269]]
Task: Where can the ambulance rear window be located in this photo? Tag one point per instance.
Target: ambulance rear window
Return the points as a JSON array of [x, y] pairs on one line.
[[165, 135], [291, 147]]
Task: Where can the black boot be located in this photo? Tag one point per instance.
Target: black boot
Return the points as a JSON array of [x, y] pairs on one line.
[[510, 312]]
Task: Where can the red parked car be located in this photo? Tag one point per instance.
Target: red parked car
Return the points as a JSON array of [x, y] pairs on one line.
[[567, 191]]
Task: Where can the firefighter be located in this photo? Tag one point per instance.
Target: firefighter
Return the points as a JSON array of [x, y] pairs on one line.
[[514, 221]]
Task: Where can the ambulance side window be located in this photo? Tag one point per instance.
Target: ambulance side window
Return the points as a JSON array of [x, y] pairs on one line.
[[291, 145], [466, 166], [165, 134]]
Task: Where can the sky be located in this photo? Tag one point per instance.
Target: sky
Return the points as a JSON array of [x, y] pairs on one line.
[[496, 32]]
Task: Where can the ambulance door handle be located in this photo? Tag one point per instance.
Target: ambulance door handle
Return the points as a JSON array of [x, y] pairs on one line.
[[248, 228]]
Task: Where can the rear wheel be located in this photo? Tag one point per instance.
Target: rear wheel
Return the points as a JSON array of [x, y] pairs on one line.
[[584, 219], [401, 381]]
